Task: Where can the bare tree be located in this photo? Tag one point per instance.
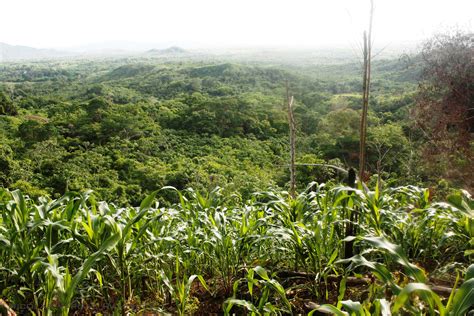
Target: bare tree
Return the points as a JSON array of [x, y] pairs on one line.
[[367, 55], [444, 111]]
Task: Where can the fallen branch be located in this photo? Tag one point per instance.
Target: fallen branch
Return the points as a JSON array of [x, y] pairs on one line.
[[440, 290], [330, 278]]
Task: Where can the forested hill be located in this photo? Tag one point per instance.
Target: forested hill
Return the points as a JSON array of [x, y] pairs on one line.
[[17, 52], [125, 127]]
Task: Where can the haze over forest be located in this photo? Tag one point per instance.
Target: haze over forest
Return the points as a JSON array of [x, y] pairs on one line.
[[318, 29]]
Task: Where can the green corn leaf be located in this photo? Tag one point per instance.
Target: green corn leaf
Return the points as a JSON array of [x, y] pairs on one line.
[[147, 202], [249, 306], [397, 252], [425, 293], [469, 273], [342, 291], [281, 292], [190, 281], [354, 308], [333, 256], [99, 278], [328, 309], [87, 265], [453, 292], [167, 282], [203, 282], [384, 307], [261, 272], [463, 299]]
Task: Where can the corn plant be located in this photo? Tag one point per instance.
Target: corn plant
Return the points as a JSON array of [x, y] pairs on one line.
[[77, 255], [265, 304], [180, 287]]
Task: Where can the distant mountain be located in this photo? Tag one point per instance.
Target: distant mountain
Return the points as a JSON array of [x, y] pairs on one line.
[[16, 52], [173, 50], [125, 46]]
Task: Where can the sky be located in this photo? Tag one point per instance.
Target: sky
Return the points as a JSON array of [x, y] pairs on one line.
[[226, 23]]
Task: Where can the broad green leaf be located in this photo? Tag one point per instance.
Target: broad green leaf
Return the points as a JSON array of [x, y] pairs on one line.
[[342, 291], [425, 293], [384, 307], [354, 308], [463, 299], [469, 273], [262, 272], [397, 252], [232, 301], [328, 309], [146, 203]]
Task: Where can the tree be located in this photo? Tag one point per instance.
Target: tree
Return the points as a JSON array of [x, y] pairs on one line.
[[34, 131], [445, 106], [7, 107], [337, 135], [388, 148]]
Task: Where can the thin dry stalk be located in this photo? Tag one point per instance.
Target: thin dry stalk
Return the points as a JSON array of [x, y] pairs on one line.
[[367, 54], [291, 123]]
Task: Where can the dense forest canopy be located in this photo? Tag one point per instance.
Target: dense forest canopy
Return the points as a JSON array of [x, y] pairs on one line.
[[125, 127]]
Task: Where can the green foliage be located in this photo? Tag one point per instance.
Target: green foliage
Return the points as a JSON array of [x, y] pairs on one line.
[[145, 131], [75, 249], [127, 127], [6, 105], [266, 286]]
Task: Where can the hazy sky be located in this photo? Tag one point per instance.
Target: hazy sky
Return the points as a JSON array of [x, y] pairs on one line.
[[220, 23]]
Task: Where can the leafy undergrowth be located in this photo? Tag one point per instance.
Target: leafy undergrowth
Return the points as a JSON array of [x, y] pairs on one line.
[[331, 249]]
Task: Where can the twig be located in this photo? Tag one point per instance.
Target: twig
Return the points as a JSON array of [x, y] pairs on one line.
[[440, 290]]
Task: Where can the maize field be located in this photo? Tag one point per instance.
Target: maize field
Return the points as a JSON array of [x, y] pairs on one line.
[[330, 250]]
